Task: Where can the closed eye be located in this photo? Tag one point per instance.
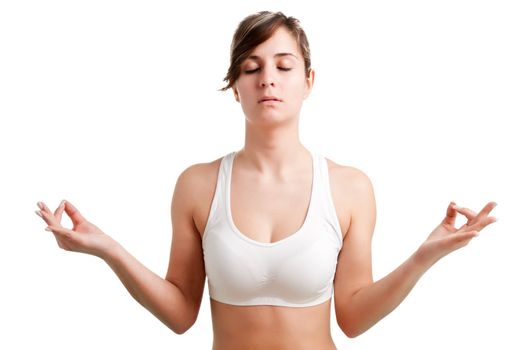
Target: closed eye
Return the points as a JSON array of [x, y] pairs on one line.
[[257, 69]]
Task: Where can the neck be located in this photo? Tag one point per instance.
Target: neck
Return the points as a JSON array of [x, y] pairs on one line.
[[273, 150]]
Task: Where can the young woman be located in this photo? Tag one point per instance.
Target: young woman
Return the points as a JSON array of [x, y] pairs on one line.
[[276, 227]]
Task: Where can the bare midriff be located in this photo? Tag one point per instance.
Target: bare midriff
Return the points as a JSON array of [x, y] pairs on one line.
[[271, 327]]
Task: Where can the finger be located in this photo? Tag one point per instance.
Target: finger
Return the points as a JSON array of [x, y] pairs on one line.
[[462, 237], [47, 217], [450, 218], [73, 213], [43, 207], [482, 223], [59, 211], [486, 210], [60, 231], [481, 220], [39, 211], [466, 235], [469, 214]]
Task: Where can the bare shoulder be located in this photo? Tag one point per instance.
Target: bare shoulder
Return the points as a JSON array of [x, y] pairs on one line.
[[348, 178], [197, 175], [351, 188], [197, 184]]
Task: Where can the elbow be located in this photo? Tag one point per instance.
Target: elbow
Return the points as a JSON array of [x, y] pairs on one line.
[[351, 327], [179, 331], [182, 320], [180, 328], [353, 333], [350, 331]]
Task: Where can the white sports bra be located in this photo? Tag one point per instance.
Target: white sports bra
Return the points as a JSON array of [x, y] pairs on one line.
[[295, 271]]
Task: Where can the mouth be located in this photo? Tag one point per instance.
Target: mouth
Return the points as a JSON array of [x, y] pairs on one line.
[[269, 100]]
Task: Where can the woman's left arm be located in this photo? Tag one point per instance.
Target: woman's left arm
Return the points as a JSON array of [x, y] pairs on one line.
[[360, 302]]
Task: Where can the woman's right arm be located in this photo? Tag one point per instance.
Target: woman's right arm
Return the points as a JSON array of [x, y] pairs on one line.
[[173, 300]]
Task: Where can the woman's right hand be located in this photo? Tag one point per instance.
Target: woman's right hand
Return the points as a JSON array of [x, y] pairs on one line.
[[84, 237]]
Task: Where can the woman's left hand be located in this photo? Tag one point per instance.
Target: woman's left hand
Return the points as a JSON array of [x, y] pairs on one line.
[[446, 237]]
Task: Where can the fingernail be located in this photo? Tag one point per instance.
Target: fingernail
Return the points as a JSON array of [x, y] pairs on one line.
[[47, 229], [38, 213], [39, 204], [62, 203]]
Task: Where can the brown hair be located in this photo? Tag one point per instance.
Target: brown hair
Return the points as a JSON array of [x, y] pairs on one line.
[[254, 30]]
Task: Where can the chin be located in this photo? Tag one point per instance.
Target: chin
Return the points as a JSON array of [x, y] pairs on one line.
[[269, 118]]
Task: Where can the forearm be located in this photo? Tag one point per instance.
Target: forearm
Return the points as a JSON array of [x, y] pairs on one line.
[[372, 303], [162, 298]]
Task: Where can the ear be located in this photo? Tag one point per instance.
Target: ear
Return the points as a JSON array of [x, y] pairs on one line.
[[310, 80], [236, 94]]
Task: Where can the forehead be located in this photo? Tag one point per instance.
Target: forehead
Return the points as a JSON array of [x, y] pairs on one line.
[[281, 41]]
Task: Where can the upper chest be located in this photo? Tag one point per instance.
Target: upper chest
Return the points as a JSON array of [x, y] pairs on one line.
[[269, 211]]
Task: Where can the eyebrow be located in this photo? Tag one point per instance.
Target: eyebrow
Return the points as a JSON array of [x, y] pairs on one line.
[[280, 54]]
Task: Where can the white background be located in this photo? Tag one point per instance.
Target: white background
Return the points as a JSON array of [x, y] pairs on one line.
[[104, 103]]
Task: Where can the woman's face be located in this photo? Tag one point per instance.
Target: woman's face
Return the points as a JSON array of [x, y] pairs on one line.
[[274, 69]]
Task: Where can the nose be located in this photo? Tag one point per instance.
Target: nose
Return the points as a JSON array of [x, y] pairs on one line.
[[267, 82], [267, 79]]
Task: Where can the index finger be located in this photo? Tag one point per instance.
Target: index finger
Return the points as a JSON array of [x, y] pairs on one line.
[[58, 212], [450, 217]]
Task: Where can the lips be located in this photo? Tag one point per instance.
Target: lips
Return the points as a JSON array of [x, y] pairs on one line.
[[269, 98]]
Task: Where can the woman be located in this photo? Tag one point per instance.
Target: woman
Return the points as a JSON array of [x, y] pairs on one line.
[[275, 227]]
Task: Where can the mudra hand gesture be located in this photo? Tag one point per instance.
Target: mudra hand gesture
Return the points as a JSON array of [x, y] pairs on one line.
[[446, 237], [84, 237]]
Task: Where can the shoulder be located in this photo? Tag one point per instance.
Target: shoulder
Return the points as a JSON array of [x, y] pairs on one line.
[[198, 178], [353, 194], [194, 190], [349, 179], [196, 175]]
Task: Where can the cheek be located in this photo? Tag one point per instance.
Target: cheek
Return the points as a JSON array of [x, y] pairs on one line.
[[243, 84], [298, 87]]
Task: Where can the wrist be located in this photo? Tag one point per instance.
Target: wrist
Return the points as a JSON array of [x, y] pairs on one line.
[[109, 249], [422, 258]]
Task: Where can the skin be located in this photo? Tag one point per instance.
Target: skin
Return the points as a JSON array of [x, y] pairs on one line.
[[272, 164]]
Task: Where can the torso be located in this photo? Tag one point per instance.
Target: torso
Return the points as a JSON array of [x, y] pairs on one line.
[[265, 326]]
